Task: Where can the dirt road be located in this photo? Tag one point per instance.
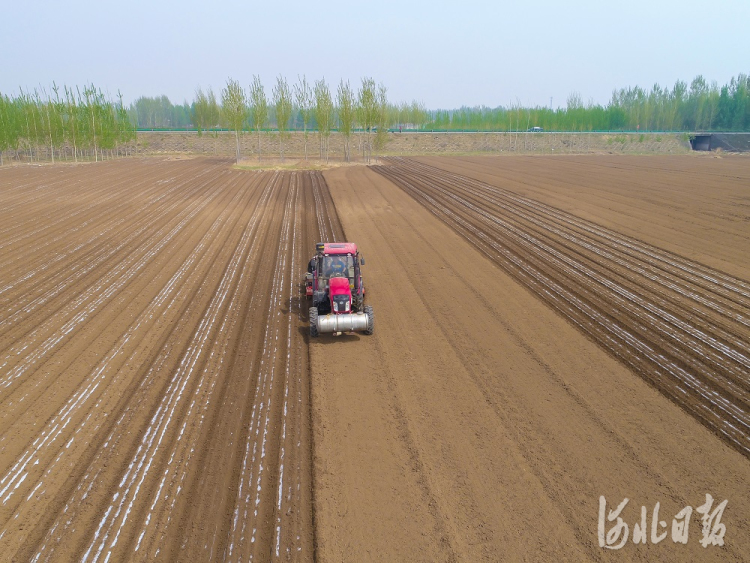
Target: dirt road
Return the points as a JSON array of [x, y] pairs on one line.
[[154, 392], [478, 424]]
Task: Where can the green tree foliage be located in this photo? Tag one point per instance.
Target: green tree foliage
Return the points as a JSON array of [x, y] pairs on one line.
[[160, 113], [304, 97], [55, 118], [72, 125], [8, 134], [214, 110], [92, 113], [259, 105], [200, 111], [367, 113], [698, 106], [383, 117], [63, 122], [323, 115], [407, 116], [234, 107], [125, 129], [282, 99], [345, 108], [206, 112], [83, 122]]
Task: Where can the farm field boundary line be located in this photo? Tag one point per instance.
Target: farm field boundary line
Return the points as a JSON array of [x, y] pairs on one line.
[[422, 143], [679, 324]]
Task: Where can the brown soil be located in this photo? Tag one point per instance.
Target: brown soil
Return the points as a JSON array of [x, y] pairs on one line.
[[685, 327], [478, 424], [154, 381], [697, 206], [159, 400]]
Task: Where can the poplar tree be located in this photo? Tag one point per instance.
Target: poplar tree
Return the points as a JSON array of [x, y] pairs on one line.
[[200, 111], [213, 114], [304, 97], [323, 114], [345, 102], [72, 128], [259, 106], [367, 111], [90, 108], [206, 113], [282, 97], [42, 121], [46, 121], [382, 117], [28, 126], [234, 107], [57, 125], [5, 125]]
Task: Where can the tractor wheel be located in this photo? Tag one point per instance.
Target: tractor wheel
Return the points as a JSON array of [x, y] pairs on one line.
[[313, 322], [370, 319]]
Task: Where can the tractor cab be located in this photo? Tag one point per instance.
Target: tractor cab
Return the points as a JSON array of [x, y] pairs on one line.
[[335, 260], [338, 266]]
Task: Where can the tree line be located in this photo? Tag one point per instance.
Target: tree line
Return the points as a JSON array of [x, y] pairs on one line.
[[75, 122], [64, 123], [304, 106], [686, 108], [699, 106], [159, 113]]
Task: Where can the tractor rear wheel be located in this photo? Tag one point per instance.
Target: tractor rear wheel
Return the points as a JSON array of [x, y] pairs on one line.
[[313, 322], [370, 319]]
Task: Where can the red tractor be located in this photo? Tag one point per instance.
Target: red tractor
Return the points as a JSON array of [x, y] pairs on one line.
[[334, 283]]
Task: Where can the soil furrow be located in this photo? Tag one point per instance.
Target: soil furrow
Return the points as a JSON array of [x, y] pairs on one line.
[[161, 338], [706, 360]]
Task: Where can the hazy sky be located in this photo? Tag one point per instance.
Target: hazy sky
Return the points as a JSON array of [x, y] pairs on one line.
[[445, 54]]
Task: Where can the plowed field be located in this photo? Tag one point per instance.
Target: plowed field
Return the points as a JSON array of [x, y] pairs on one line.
[[154, 385], [684, 326], [548, 331], [527, 361]]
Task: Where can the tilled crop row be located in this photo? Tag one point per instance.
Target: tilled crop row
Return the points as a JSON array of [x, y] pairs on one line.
[[683, 326], [154, 382]]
